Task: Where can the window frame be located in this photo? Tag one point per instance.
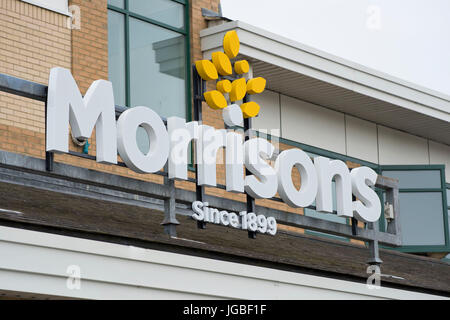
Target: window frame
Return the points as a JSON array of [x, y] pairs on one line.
[[448, 200], [433, 167], [184, 31]]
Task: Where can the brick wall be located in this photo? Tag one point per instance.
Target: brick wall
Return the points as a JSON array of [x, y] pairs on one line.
[[90, 43], [32, 40]]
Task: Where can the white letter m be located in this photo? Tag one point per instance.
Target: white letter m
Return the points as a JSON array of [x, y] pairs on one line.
[[65, 106]]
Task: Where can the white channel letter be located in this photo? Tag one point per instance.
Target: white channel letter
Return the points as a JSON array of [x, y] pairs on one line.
[[180, 134], [326, 170], [288, 192], [65, 106], [263, 181], [224, 218], [127, 125], [233, 219], [368, 207], [210, 141], [234, 159], [214, 215], [198, 212], [272, 226]]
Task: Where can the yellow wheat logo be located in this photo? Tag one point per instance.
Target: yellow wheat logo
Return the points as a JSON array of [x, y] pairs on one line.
[[219, 67]]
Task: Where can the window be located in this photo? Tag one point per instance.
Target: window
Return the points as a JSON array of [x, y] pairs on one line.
[[447, 257], [423, 207], [448, 205], [149, 54]]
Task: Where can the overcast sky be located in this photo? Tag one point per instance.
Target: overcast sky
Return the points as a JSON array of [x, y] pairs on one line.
[[409, 39]]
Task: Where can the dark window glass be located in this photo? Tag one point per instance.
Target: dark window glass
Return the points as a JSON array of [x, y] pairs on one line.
[[412, 179], [117, 3], [157, 69], [421, 218], [116, 55]]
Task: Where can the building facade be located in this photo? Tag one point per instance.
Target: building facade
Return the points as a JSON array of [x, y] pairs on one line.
[[71, 230]]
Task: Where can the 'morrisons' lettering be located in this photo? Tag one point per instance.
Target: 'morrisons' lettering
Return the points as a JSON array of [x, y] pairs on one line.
[[67, 107]]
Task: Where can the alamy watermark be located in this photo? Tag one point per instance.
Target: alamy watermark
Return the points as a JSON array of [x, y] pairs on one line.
[[73, 281], [374, 280], [74, 21], [373, 21]]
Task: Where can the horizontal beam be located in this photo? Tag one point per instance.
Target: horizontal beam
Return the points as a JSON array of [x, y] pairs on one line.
[[23, 88], [32, 90]]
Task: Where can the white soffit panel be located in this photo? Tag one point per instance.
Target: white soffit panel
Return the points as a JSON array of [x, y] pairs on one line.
[[299, 71], [60, 6]]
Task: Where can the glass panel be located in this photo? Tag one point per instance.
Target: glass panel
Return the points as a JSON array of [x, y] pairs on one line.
[[165, 11], [421, 218], [325, 216], [157, 69], [116, 55], [117, 3], [142, 140], [448, 197], [416, 178]]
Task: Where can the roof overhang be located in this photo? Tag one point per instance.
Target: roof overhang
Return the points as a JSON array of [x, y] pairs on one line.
[[299, 71]]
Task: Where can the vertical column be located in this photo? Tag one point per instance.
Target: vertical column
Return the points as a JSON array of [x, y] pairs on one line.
[[49, 156], [373, 246], [199, 88], [170, 221], [250, 200]]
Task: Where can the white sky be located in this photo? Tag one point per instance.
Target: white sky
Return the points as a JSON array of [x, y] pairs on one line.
[[409, 39]]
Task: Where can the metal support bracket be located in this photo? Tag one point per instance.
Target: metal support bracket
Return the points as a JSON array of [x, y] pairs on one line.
[[390, 186], [170, 221], [373, 247]]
